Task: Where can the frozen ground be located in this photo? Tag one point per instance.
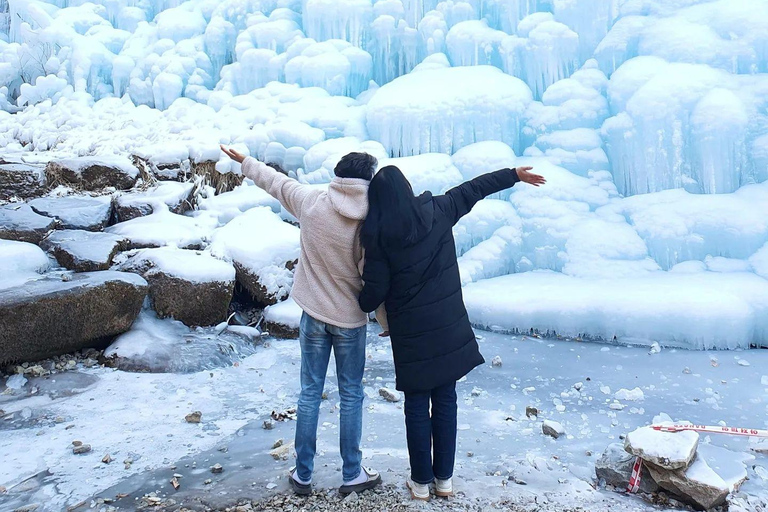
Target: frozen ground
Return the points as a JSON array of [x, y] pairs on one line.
[[498, 444]]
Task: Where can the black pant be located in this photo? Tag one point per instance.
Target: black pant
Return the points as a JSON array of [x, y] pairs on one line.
[[423, 430]]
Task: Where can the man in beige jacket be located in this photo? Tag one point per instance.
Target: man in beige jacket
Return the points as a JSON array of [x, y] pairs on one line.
[[326, 286]]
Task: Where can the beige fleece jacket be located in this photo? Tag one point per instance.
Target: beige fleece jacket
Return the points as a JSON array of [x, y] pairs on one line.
[[327, 280]]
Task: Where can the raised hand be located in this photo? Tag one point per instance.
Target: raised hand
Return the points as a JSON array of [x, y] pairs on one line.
[[530, 178], [234, 155]]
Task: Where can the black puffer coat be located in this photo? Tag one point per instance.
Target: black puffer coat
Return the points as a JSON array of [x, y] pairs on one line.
[[432, 340]]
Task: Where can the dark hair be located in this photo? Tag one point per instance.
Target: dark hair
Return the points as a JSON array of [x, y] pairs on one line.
[[356, 165], [393, 210]]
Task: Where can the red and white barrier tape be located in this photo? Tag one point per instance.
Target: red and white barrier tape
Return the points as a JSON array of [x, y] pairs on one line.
[[750, 432], [637, 469]]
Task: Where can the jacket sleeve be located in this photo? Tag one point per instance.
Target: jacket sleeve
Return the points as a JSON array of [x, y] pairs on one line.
[[375, 280], [458, 201], [291, 194]]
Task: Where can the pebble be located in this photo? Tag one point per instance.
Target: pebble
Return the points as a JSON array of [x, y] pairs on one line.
[[194, 417], [531, 411], [217, 468], [496, 362], [83, 448], [390, 395]]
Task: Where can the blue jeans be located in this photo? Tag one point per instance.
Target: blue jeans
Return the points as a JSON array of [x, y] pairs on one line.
[[422, 430], [316, 339]]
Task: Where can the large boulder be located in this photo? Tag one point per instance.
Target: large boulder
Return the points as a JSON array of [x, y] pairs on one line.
[[92, 173], [76, 212], [52, 316], [19, 222], [697, 485], [668, 450], [614, 467], [21, 180], [176, 196], [264, 251], [84, 251], [189, 286]]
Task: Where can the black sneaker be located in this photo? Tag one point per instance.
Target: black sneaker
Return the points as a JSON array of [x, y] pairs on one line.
[[299, 488], [374, 479]]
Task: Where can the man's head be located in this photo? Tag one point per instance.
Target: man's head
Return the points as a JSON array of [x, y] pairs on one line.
[[356, 165]]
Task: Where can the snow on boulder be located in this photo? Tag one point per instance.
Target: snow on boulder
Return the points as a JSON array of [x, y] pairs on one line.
[[76, 212], [552, 429], [263, 249], [667, 450], [52, 316], [614, 467], [229, 205], [282, 319], [163, 228], [20, 222], [84, 251], [22, 261], [443, 110], [698, 485], [20, 180], [92, 172], [192, 287], [176, 196]]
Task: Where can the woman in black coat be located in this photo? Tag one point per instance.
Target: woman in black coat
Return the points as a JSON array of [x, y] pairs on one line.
[[411, 266]]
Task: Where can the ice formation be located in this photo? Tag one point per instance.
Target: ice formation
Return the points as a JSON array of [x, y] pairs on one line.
[[648, 118]]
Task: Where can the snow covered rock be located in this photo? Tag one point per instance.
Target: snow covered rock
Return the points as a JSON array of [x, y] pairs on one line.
[[699, 484], [614, 467], [76, 212], [84, 251], [20, 222], [390, 395], [176, 196], [21, 180], [230, 204], [552, 429], [165, 228], [92, 173], [192, 287], [263, 249], [282, 320], [667, 450], [51, 316], [21, 262]]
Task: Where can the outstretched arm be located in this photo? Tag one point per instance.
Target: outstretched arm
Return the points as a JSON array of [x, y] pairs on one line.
[[460, 200], [288, 191]]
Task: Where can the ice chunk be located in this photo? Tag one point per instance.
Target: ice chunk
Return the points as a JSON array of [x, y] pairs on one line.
[[474, 43], [494, 257], [21, 261], [632, 395], [443, 110], [483, 157], [336, 66], [230, 204], [482, 222], [703, 310], [337, 19]]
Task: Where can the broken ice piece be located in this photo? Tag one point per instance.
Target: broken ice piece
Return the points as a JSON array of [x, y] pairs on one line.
[[496, 362], [655, 348], [742, 362]]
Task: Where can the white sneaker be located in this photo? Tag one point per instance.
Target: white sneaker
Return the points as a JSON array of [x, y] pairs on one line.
[[418, 491], [444, 488]]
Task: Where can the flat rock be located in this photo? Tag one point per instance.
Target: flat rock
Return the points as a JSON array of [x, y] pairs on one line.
[[84, 251], [50, 316], [76, 212], [176, 196], [21, 180], [19, 222], [92, 172], [282, 320], [698, 484], [264, 251], [668, 450], [192, 287], [282, 452], [615, 468], [164, 228]]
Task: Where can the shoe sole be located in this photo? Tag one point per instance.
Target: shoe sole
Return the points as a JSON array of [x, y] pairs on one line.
[[413, 494], [444, 494], [365, 486], [301, 490]]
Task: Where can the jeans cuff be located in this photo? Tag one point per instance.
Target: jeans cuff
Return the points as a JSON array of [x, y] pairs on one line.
[[441, 478], [422, 483]]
